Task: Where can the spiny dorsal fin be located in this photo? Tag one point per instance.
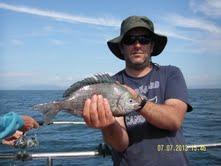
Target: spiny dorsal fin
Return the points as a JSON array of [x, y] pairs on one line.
[[95, 79]]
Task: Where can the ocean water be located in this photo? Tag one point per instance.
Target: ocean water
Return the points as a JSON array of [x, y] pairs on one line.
[[202, 125]]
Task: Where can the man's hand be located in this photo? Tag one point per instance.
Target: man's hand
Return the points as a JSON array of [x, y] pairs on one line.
[[29, 123], [97, 112], [11, 140]]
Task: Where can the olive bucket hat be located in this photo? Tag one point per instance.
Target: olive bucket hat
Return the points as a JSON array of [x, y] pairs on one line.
[[135, 22]]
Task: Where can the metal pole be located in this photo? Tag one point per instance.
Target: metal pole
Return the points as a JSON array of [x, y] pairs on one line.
[[212, 145], [6, 156], [64, 154], [68, 122], [49, 161], [62, 123]]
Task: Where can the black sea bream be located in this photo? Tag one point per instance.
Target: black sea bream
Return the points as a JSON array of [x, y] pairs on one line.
[[120, 99]]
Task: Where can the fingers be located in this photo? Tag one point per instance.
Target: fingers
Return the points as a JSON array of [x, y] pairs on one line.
[[86, 111], [96, 112], [18, 134], [35, 124], [15, 136], [101, 109], [93, 111], [10, 143], [11, 140], [29, 123], [108, 113]]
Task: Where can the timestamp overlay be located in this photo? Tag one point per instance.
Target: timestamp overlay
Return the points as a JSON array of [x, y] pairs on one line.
[[181, 148]]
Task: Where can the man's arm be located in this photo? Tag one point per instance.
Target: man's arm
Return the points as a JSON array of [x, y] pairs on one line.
[[116, 135], [169, 115], [97, 114], [9, 123]]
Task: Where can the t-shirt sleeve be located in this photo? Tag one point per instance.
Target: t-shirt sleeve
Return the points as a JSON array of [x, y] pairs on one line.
[[176, 86], [9, 123]]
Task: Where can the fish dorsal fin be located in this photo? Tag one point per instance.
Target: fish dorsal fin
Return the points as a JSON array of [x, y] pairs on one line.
[[95, 79]]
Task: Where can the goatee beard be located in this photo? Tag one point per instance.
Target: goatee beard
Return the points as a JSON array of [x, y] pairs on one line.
[[139, 66]]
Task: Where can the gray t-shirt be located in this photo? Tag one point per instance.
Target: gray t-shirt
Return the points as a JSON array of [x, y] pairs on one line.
[[149, 145]]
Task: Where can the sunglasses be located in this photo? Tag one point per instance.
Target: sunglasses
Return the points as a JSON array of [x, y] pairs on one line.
[[131, 39]]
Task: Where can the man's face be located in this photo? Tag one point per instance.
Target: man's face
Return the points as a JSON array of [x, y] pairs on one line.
[[137, 53]]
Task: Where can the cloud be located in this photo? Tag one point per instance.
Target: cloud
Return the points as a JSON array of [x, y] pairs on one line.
[[207, 7], [105, 21], [195, 23], [61, 16], [175, 34], [205, 35]]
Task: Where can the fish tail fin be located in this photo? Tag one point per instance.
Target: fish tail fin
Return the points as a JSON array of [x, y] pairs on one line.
[[49, 110]]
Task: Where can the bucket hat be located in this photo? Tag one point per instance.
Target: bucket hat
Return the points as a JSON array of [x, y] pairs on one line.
[[135, 22]]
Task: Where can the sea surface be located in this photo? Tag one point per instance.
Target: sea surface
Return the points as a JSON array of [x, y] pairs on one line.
[[201, 126]]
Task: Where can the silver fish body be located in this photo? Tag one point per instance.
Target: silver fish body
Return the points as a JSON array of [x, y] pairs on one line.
[[120, 99]]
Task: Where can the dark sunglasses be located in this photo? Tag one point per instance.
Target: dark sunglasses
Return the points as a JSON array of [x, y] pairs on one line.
[[131, 39]]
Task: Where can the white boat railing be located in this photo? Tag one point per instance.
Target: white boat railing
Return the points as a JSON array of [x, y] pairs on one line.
[[62, 123], [49, 156], [23, 155]]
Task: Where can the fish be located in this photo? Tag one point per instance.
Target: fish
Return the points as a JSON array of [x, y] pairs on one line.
[[120, 98]]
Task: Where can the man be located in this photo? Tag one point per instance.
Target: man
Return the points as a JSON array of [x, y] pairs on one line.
[[153, 134], [12, 126]]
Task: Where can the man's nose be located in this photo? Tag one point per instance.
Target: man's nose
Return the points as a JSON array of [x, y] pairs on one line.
[[137, 44]]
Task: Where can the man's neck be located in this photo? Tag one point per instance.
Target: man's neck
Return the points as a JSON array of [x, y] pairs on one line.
[[138, 73]]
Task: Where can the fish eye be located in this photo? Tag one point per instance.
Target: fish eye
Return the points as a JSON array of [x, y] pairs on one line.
[[131, 100]]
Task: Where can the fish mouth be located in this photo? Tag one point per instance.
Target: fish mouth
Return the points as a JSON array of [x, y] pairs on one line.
[[137, 106]]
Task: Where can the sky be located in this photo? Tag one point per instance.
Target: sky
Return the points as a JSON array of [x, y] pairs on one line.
[[50, 44]]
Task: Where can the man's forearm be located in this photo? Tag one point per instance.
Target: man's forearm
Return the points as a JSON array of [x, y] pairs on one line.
[[116, 136], [164, 116], [10, 122]]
